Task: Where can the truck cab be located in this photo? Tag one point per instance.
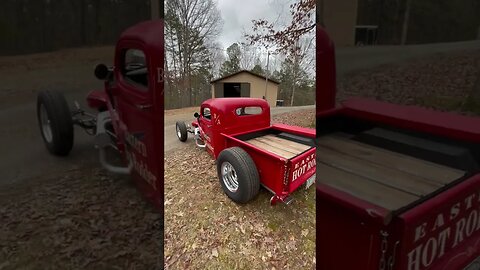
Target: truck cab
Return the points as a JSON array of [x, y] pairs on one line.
[[224, 116]]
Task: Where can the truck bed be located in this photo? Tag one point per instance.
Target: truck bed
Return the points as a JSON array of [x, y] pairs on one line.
[[280, 146], [386, 178], [282, 143]]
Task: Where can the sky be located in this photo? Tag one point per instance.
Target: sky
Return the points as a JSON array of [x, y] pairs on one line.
[[237, 16]]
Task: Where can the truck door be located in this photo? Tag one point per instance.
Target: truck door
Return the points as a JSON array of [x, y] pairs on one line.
[[206, 124], [140, 112]]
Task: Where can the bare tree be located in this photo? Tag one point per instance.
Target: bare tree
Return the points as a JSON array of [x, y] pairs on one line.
[[217, 58], [302, 63], [289, 40], [188, 26], [248, 56], [303, 21]]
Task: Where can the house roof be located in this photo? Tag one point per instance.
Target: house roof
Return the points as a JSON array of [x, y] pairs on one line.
[[247, 71]]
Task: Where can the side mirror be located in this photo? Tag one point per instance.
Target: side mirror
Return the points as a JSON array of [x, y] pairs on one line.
[[196, 115], [101, 71]]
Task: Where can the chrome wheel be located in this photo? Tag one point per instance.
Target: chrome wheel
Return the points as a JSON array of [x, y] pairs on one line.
[[45, 123], [229, 176], [179, 133]]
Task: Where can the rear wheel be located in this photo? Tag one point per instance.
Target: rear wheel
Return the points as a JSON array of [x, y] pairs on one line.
[[181, 130], [238, 175], [55, 121]]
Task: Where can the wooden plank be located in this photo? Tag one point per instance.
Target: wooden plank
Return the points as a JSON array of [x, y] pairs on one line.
[[271, 149], [277, 145], [425, 169], [282, 146], [362, 188], [381, 174], [295, 145]]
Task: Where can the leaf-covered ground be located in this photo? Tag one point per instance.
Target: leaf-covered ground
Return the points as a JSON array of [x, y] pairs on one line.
[[440, 82], [84, 219], [204, 229]]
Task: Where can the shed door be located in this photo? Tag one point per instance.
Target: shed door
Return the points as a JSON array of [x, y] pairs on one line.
[[218, 90], [245, 90]]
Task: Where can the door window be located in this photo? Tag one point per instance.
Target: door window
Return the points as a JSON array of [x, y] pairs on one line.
[[206, 113], [135, 69]]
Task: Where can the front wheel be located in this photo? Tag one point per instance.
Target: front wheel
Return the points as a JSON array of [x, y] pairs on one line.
[[238, 175], [181, 130], [55, 122]]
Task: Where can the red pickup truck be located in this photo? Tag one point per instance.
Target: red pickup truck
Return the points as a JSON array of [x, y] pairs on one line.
[[250, 151], [398, 187], [129, 111]]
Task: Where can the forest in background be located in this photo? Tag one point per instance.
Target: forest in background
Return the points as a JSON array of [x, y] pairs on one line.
[[194, 57], [31, 26]]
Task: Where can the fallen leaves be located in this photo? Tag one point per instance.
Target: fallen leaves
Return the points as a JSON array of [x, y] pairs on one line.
[[84, 220], [437, 82], [215, 253]]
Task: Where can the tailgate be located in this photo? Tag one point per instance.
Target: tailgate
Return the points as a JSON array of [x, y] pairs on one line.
[[300, 169], [444, 231]]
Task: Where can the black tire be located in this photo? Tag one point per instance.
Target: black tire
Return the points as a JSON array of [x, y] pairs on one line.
[[60, 141], [246, 174], [181, 131]]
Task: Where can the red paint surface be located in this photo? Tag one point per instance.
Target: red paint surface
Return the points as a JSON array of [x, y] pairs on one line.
[[444, 124], [97, 99]]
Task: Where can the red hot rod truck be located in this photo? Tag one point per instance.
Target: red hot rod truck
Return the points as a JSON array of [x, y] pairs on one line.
[[398, 187], [129, 116], [249, 151]]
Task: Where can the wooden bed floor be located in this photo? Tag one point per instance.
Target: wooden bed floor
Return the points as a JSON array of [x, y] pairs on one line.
[[280, 146], [385, 178]]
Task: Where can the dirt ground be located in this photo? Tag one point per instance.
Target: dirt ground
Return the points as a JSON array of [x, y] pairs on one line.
[[69, 70], [441, 81], [81, 219], [206, 230]]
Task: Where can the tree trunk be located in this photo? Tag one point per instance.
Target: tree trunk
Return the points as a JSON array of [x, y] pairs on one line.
[[293, 93], [405, 22], [155, 9], [294, 79], [83, 33], [475, 92]]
